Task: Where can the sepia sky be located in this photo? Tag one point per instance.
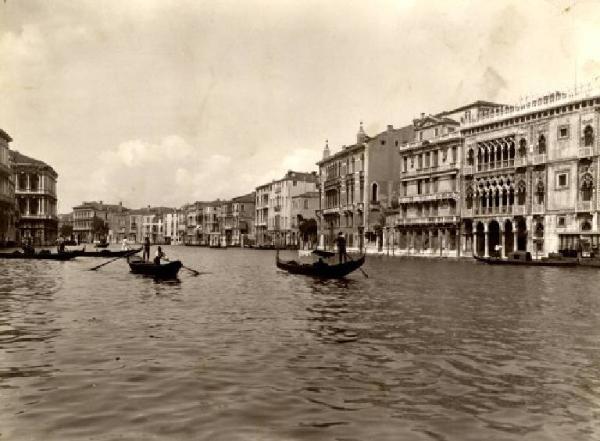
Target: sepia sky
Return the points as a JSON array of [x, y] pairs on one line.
[[164, 102]]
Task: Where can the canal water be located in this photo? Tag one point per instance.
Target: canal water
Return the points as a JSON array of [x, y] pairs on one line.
[[420, 350]]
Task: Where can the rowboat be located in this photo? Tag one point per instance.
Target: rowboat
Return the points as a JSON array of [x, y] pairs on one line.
[[104, 253], [320, 269], [37, 256], [167, 270], [524, 258]]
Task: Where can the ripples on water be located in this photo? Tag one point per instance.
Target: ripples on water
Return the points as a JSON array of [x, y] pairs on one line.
[[421, 350]]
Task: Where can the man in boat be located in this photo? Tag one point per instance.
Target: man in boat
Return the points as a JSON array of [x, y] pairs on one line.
[[146, 253], [341, 246], [61, 245], [159, 255], [124, 245], [28, 247]]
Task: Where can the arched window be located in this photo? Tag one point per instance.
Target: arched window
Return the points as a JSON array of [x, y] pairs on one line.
[[374, 192], [588, 136], [587, 187], [586, 226], [521, 192], [522, 147], [539, 192], [469, 198], [470, 157], [542, 144], [511, 149]]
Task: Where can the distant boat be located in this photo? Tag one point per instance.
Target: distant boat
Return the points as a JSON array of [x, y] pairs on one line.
[[524, 258], [104, 253], [42, 255], [320, 269], [167, 270]]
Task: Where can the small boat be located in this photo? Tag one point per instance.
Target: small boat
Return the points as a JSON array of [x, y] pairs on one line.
[[524, 258], [104, 253], [320, 269], [42, 255], [167, 270]]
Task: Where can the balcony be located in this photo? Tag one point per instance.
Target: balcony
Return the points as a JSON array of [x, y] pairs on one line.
[[521, 162], [468, 170], [332, 210], [467, 212], [37, 216], [539, 159], [585, 152], [348, 208], [277, 208], [537, 209], [519, 210], [584, 206], [360, 206]]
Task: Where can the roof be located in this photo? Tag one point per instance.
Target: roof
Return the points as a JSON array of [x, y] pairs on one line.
[[250, 197], [293, 176], [18, 158], [478, 103]]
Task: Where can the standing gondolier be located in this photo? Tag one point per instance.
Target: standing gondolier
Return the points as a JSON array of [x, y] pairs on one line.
[[341, 246], [146, 253]]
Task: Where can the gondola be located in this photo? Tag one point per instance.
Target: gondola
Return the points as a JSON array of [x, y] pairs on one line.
[[42, 255], [320, 269], [104, 253], [167, 270], [524, 258]]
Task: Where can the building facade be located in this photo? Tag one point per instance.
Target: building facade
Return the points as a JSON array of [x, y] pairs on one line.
[[35, 193], [426, 218], [530, 176], [84, 216], [357, 186], [7, 193], [242, 217], [304, 209], [274, 214]]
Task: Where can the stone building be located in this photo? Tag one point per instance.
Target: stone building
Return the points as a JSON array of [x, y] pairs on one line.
[[7, 193], [83, 219], [35, 193], [357, 185], [304, 208], [211, 231], [530, 176], [274, 208], [243, 212], [426, 218]]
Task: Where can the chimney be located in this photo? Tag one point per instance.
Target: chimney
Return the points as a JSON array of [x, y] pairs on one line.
[[422, 115], [390, 127]]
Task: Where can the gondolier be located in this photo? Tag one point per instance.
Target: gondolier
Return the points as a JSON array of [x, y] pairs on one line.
[[146, 253], [340, 241]]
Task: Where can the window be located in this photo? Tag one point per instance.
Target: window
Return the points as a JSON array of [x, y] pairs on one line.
[[562, 221], [563, 132], [562, 180], [542, 144], [420, 136], [405, 163], [374, 192], [306, 204], [588, 136], [436, 131]]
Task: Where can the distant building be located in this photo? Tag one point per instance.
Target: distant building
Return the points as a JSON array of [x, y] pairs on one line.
[[304, 208], [358, 185], [83, 220], [63, 220], [172, 230], [274, 208], [35, 193], [242, 219], [7, 192]]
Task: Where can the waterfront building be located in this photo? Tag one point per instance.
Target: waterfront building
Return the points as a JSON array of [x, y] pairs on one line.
[[304, 209], [7, 192], [243, 213], [426, 218], [117, 220], [172, 227], [65, 220], [211, 230], [530, 176], [357, 185], [35, 193], [83, 220], [273, 220]]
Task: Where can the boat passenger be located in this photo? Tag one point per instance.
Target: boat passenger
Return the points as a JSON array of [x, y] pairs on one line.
[[159, 255], [320, 264]]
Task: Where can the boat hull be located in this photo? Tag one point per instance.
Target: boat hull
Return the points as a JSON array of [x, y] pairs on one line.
[[55, 256], [541, 262], [105, 253], [164, 271], [323, 272]]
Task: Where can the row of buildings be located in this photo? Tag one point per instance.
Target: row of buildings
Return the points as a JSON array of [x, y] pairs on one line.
[[27, 198], [484, 178]]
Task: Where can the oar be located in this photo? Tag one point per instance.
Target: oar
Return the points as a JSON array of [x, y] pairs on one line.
[[193, 271], [359, 268], [112, 260]]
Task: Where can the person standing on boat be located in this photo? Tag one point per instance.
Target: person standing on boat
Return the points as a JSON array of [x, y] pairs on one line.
[[159, 255], [341, 246], [146, 253]]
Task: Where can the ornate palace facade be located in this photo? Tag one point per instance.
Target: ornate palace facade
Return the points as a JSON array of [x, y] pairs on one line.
[[7, 192], [529, 177], [36, 199]]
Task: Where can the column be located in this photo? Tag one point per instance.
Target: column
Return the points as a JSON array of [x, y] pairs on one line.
[[502, 243], [440, 240], [430, 236], [28, 184], [516, 237], [486, 241]]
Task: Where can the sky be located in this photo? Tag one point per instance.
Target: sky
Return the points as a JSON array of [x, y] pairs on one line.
[[154, 102]]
